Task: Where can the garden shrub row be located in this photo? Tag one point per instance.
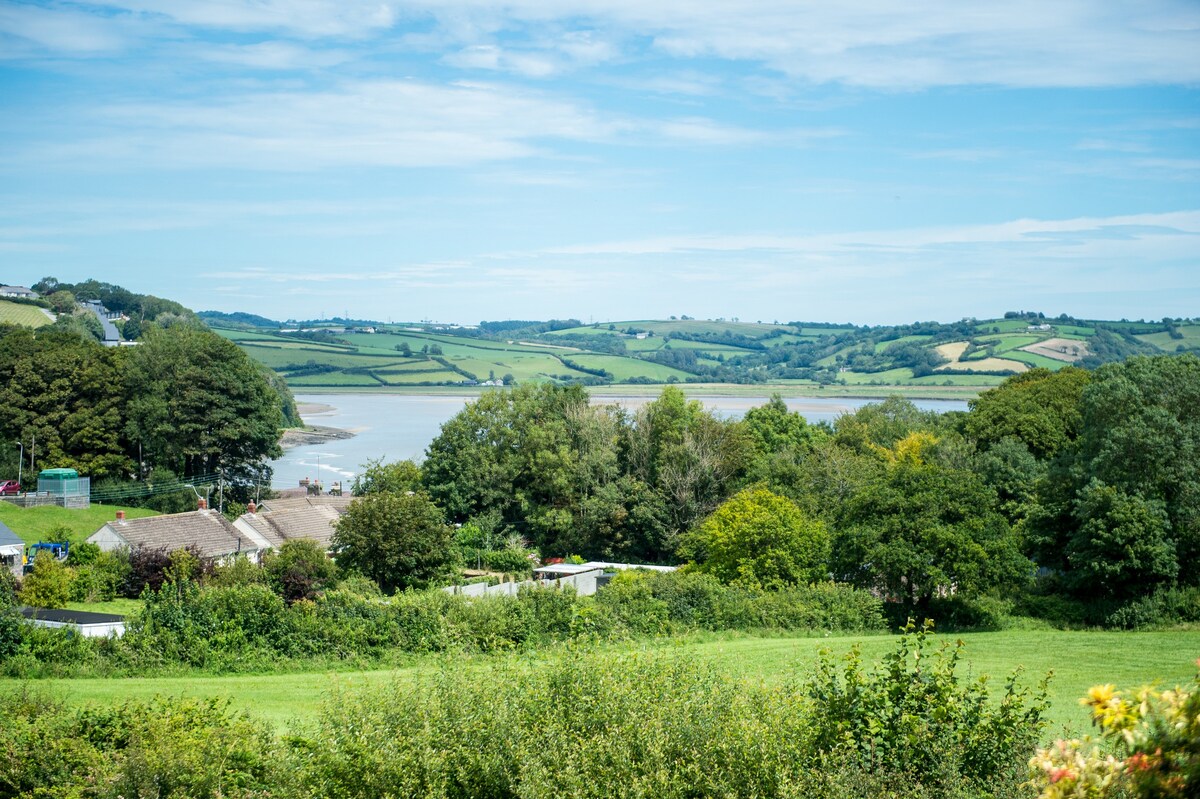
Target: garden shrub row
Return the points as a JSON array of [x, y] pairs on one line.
[[244, 627]]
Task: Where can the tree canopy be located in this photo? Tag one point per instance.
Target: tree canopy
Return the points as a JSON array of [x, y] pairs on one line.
[[758, 538]]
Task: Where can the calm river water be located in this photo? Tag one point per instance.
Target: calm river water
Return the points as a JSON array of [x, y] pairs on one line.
[[396, 426]]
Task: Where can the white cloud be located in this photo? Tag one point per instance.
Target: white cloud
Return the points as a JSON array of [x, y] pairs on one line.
[[1175, 234], [384, 122], [273, 55], [870, 43], [62, 30]]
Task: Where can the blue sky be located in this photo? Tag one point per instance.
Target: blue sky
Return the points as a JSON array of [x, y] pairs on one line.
[[873, 162]]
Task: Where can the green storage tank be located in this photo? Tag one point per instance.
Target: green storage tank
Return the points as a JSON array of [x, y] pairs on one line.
[[61, 483]]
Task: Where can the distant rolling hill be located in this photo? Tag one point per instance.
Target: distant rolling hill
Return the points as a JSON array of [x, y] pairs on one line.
[[966, 353]]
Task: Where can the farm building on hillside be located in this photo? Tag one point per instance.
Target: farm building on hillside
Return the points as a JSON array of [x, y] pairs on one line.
[[210, 533], [12, 550], [19, 292], [310, 518]]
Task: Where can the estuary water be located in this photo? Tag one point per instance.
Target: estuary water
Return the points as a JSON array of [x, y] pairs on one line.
[[397, 426]]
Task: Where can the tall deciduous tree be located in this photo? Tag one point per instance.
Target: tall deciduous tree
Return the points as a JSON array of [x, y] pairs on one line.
[[1128, 488], [199, 404], [1039, 408], [917, 531], [399, 540]]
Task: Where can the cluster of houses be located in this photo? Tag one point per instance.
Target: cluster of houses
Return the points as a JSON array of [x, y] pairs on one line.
[[214, 537], [263, 527]]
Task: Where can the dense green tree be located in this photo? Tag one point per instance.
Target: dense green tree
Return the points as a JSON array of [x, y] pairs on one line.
[[67, 393], [299, 569], [758, 538], [882, 424], [1123, 545], [48, 585], [691, 459], [1127, 490], [198, 404], [399, 540], [1039, 408], [918, 531], [378, 477]]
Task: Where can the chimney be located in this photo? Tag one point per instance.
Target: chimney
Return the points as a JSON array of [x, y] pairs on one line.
[[251, 507], [201, 504], [121, 516]]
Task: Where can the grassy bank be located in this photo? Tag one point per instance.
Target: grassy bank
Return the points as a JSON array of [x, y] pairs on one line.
[[36, 524], [1078, 660]]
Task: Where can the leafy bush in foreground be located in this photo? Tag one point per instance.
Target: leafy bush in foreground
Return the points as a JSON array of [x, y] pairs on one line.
[[638, 725], [582, 723], [1151, 748]]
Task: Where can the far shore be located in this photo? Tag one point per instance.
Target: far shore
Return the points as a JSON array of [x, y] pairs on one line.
[[690, 389]]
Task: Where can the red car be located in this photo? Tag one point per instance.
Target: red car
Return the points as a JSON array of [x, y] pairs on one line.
[[9, 487]]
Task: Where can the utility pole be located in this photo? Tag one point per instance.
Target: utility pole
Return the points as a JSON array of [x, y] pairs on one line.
[[20, 461]]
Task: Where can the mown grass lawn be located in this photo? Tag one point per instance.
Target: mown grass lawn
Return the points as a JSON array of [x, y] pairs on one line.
[[35, 524], [1078, 660]]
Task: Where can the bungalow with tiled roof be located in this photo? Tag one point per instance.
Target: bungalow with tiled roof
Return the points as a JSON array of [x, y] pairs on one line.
[[207, 531], [285, 520]]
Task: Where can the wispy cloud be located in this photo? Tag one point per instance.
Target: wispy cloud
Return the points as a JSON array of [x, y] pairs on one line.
[[877, 43]]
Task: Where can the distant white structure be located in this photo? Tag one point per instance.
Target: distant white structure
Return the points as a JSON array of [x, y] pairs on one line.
[[19, 292], [585, 578]]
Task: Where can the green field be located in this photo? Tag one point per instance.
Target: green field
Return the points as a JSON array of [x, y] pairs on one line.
[[1004, 343], [893, 342], [16, 313], [1033, 359], [1078, 660], [625, 368], [1191, 338], [368, 361], [373, 361], [34, 524], [728, 349], [695, 327], [890, 376]]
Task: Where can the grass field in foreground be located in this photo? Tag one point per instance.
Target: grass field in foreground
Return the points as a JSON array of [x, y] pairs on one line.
[[1078, 659]]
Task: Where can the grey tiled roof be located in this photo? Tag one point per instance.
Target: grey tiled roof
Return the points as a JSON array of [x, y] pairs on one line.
[[313, 523], [207, 530], [323, 500], [8, 537]]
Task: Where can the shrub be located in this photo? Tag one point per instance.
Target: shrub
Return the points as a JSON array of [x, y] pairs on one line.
[[1164, 607], [1152, 743], [913, 715], [48, 585], [299, 569], [592, 724]]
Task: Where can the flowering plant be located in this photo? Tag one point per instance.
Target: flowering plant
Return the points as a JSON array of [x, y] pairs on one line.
[[1148, 745]]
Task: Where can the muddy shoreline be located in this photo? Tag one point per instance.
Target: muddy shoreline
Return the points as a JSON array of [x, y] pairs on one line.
[[312, 434]]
